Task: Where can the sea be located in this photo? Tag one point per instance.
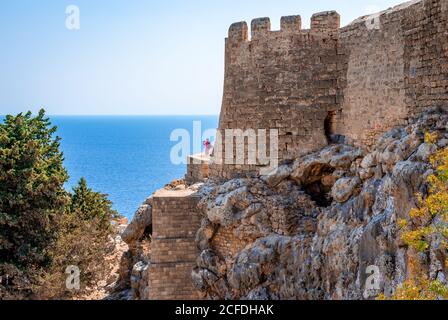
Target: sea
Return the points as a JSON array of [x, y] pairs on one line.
[[128, 157]]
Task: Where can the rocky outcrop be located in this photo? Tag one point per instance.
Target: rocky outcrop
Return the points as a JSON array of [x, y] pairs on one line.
[[135, 262], [110, 287], [314, 227], [142, 220]]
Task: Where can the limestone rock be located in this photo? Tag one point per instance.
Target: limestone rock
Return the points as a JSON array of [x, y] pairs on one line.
[[370, 160], [313, 167], [222, 211], [425, 151], [139, 280], [277, 175], [344, 188], [142, 219]]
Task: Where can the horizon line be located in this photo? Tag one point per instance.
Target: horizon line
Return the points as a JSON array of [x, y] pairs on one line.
[[122, 115]]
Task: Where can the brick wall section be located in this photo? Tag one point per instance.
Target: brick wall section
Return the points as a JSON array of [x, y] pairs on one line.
[[373, 89], [425, 29], [174, 251], [197, 169]]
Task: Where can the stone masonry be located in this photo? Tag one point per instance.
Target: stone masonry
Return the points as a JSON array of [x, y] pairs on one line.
[[284, 80], [315, 87], [174, 252], [197, 168]]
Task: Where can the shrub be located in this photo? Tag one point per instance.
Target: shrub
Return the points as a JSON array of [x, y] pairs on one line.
[[84, 241], [428, 220], [43, 228]]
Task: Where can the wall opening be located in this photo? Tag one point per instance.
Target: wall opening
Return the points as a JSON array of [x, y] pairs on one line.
[[148, 231], [330, 126], [319, 184]]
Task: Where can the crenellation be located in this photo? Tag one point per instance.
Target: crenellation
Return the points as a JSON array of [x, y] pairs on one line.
[[238, 32], [326, 21], [291, 23], [260, 27]]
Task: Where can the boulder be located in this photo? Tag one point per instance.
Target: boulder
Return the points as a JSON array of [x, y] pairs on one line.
[[277, 175], [344, 188], [425, 151], [370, 160], [142, 220]]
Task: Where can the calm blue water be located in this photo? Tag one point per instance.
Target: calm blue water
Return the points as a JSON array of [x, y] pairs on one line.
[[124, 156]]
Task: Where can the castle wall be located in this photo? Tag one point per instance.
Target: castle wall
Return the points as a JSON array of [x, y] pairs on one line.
[[373, 87], [284, 80], [358, 81], [425, 29], [226, 244], [173, 247]]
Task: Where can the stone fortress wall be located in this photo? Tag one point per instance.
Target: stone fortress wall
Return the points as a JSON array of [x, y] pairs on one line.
[[396, 66], [313, 86], [285, 80], [319, 84]]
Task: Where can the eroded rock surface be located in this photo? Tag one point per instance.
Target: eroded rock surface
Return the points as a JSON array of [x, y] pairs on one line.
[[312, 228], [135, 262]]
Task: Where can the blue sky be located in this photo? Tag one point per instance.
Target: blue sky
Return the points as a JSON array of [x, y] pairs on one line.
[[131, 56]]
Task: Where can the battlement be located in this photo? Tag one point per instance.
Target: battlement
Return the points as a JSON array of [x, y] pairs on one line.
[[328, 21], [238, 32], [260, 27], [325, 83], [283, 79]]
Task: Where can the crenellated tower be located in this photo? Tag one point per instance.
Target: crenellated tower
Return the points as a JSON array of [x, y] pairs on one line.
[[328, 83], [286, 80]]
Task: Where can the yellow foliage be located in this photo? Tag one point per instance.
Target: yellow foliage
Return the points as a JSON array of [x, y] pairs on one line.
[[421, 290], [402, 223], [420, 227], [431, 137], [418, 286]]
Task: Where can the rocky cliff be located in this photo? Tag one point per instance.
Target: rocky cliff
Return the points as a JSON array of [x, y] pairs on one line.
[[313, 228]]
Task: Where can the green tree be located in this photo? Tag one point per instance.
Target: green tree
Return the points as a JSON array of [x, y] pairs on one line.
[[92, 206], [83, 241], [43, 228], [32, 194]]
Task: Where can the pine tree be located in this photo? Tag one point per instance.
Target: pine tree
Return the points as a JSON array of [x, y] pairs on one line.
[[91, 205], [32, 192]]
